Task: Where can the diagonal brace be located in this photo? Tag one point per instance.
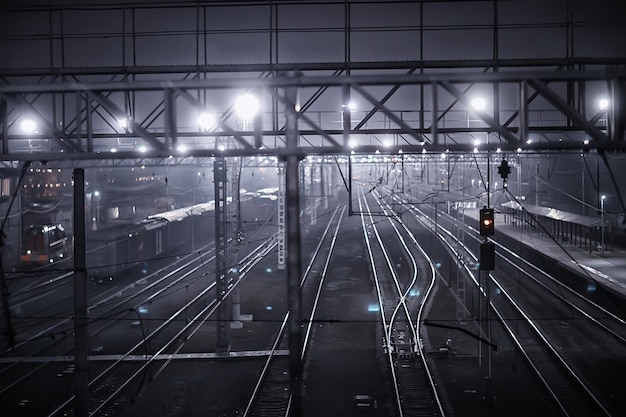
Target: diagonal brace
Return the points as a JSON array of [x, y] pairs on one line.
[[560, 104], [497, 127], [118, 113], [379, 106], [308, 121], [46, 126], [195, 102]]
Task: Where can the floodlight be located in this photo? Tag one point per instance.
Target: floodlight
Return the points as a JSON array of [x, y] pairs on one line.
[[28, 126], [247, 106], [603, 103], [206, 121], [351, 106], [478, 103]]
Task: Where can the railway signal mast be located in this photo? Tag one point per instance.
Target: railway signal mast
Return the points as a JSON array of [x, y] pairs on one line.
[[487, 263], [504, 170]]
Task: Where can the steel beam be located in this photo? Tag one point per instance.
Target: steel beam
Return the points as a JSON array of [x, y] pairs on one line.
[[562, 105], [120, 114], [294, 261], [221, 255], [81, 336]]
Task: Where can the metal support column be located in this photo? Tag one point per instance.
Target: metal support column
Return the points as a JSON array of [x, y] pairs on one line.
[[282, 252], [615, 119], [221, 280], [347, 128], [350, 212], [489, 391], [323, 194], [235, 216], [314, 196], [4, 127], [171, 134], [81, 344], [461, 309], [293, 253]]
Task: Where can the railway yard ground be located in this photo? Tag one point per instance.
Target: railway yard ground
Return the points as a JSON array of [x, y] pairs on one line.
[[345, 372], [194, 385]]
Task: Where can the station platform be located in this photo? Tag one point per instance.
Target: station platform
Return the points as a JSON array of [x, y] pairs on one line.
[[607, 268], [470, 383]]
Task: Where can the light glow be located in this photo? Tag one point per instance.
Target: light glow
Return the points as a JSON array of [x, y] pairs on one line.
[[123, 123], [603, 103], [206, 121], [28, 126], [478, 103], [247, 106], [351, 106]]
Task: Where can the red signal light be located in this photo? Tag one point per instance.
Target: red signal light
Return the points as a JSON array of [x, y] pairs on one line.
[[487, 227]]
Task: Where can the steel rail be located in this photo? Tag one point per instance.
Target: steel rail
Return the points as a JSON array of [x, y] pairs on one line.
[[209, 310], [394, 379], [557, 356], [254, 396], [420, 313]]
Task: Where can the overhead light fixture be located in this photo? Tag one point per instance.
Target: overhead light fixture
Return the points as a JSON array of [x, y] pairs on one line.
[[247, 106], [603, 103], [28, 126], [478, 103], [206, 121], [123, 123]]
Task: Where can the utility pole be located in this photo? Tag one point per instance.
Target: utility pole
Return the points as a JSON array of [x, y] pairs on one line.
[[221, 278], [294, 261], [81, 344]]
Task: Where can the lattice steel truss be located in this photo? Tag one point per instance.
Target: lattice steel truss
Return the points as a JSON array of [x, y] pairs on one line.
[[527, 110]]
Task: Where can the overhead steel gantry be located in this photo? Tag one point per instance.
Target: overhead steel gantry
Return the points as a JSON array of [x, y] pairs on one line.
[[540, 110]]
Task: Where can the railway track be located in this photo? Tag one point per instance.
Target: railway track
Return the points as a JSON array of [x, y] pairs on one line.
[[415, 389], [107, 313], [272, 395], [535, 319]]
